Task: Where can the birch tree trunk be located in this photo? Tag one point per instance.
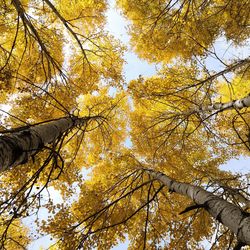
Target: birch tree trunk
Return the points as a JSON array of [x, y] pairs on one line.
[[17, 147], [236, 104], [226, 213]]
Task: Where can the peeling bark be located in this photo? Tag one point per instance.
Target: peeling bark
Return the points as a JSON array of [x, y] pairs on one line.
[[225, 212], [17, 147]]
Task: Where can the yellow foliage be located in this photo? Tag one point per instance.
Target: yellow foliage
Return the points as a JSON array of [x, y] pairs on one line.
[[238, 88], [162, 30], [17, 235]]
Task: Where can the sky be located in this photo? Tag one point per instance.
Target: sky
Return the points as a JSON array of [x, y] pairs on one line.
[[134, 67]]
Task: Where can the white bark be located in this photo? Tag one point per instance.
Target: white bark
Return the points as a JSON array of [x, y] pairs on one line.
[[236, 104], [17, 147], [225, 212]]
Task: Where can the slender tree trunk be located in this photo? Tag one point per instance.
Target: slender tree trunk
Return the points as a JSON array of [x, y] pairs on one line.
[[17, 147], [228, 214], [236, 104]]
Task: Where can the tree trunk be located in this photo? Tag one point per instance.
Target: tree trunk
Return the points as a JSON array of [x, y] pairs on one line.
[[17, 147], [236, 104], [226, 213]]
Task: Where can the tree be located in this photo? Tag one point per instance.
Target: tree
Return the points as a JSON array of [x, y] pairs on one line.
[[163, 30], [167, 107], [71, 111], [217, 207], [139, 194], [17, 147]]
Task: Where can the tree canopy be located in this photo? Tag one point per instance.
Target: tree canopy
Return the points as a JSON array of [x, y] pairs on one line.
[[89, 160]]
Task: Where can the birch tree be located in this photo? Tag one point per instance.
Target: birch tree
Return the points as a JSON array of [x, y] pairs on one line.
[[185, 99], [17, 147], [229, 215], [140, 194]]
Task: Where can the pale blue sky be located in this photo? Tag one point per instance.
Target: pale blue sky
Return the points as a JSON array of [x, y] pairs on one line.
[[134, 67]]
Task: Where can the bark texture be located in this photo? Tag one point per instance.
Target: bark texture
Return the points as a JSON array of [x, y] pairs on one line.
[[17, 147], [228, 214], [236, 104]]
